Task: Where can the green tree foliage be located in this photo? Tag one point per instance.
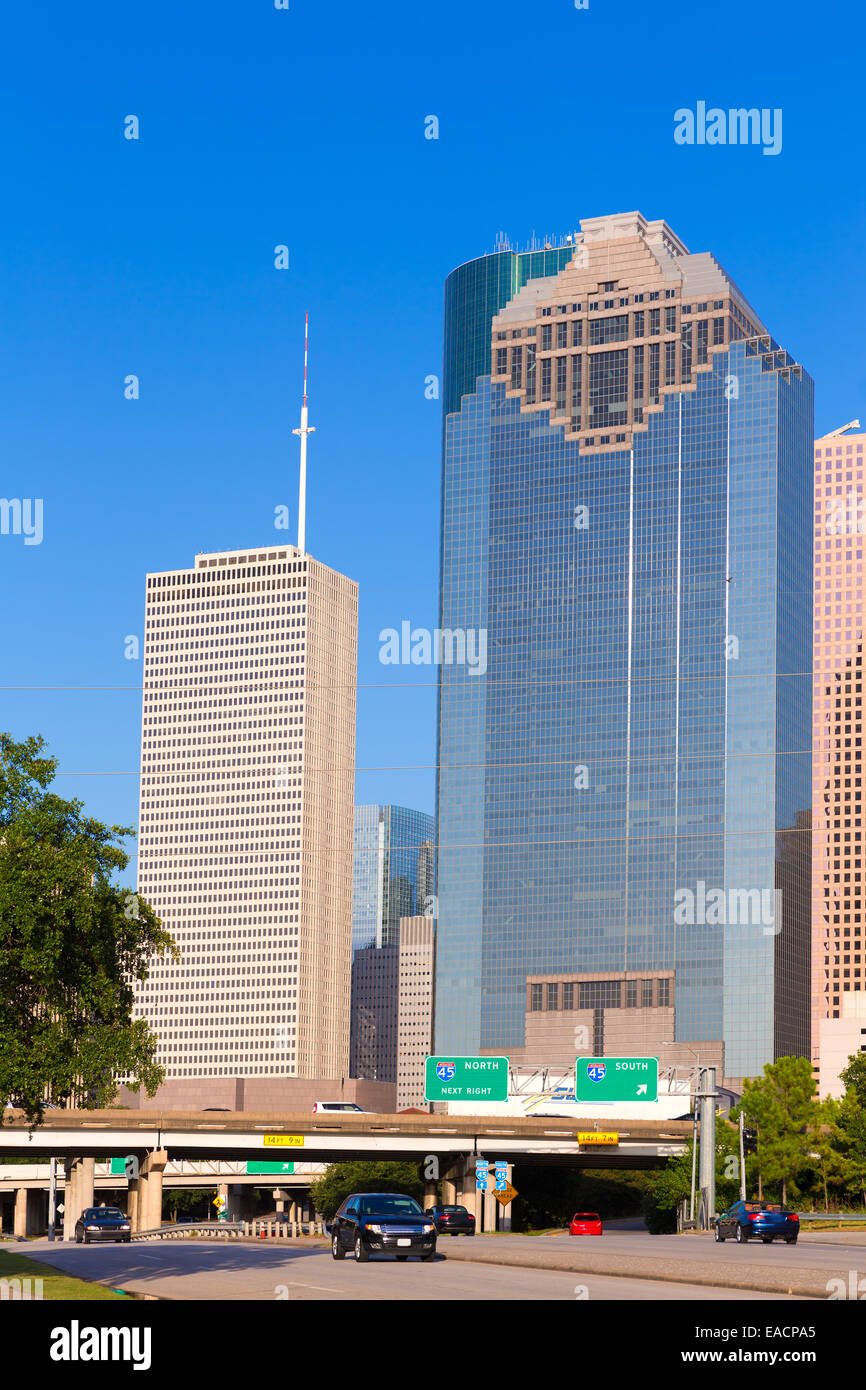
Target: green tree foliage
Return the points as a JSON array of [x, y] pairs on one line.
[[850, 1126], [71, 945], [340, 1180], [780, 1104]]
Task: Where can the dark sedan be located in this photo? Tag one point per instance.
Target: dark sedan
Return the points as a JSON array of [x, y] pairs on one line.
[[102, 1223], [765, 1221], [385, 1223], [452, 1221]]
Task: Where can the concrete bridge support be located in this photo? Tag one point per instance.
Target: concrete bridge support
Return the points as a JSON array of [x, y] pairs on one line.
[[145, 1192], [78, 1193], [31, 1212]]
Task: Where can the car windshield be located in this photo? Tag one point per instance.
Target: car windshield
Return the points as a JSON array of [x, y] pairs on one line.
[[95, 1213], [390, 1206], [586, 1216], [457, 1209]]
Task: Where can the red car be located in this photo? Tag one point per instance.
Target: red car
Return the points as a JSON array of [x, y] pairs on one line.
[[585, 1223]]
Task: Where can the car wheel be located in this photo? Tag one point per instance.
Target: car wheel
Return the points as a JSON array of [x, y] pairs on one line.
[[741, 1237], [336, 1248], [362, 1254], [402, 1257], [790, 1240], [717, 1235], [426, 1258], [768, 1240]]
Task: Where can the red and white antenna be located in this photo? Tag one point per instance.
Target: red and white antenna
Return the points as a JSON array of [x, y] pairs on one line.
[[303, 432]]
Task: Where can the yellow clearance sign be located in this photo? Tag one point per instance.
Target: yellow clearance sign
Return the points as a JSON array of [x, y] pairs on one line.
[[284, 1141], [598, 1136]]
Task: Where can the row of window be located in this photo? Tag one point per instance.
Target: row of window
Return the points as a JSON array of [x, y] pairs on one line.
[[599, 994]]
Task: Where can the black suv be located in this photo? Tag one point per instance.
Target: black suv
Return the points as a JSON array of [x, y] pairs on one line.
[[452, 1221], [382, 1223]]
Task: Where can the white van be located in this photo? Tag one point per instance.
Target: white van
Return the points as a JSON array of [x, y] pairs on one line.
[[338, 1107]]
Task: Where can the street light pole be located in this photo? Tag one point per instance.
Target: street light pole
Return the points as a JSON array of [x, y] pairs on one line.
[[742, 1160]]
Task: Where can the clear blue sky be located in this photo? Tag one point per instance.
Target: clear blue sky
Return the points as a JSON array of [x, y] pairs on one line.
[[306, 127]]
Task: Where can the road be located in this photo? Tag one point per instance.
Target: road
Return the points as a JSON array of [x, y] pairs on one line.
[[238, 1271]]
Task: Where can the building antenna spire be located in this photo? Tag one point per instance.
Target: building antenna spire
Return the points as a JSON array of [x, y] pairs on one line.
[[303, 432]]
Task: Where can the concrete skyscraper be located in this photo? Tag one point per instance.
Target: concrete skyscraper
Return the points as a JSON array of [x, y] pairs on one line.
[[839, 808], [626, 515], [247, 793]]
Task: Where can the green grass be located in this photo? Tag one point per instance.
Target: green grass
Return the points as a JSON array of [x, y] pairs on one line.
[[55, 1285]]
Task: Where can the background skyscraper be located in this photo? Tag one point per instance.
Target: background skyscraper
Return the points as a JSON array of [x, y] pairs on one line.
[[838, 942], [394, 867], [626, 510], [247, 772]]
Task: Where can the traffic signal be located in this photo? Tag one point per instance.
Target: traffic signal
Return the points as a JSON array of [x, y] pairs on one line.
[[750, 1141]]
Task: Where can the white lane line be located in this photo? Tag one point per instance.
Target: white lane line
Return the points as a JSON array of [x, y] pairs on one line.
[[321, 1287]]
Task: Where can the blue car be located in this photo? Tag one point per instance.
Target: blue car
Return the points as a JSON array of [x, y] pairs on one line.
[[766, 1221]]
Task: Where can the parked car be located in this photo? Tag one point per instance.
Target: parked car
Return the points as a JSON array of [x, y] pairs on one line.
[[382, 1223], [585, 1223], [338, 1107], [764, 1221], [102, 1223], [452, 1221]]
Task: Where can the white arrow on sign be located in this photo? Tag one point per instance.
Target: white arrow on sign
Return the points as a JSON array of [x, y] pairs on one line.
[[641, 1090]]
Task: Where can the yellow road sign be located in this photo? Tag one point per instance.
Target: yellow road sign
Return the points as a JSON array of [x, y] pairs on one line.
[[279, 1141], [597, 1136], [507, 1196]]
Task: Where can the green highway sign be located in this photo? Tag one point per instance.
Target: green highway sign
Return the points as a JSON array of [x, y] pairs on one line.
[[616, 1078], [254, 1167], [466, 1078]]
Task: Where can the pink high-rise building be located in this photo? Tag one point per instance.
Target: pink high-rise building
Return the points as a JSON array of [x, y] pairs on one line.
[[837, 759]]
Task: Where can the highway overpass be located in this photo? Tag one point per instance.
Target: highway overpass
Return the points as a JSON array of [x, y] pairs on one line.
[[454, 1142]]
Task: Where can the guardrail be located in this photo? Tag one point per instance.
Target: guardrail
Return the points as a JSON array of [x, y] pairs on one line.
[[198, 1228], [260, 1230], [830, 1216]]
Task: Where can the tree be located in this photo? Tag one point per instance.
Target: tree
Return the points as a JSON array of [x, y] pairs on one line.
[[781, 1106], [342, 1179], [670, 1185], [72, 943], [850, 1126]]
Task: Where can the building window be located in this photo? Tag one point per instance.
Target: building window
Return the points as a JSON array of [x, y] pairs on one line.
[[516, 368], [703, 341], [546, 336], [577, 333], [671, 319], [545, 378], [608, 389], [670, 364], [718, 331], [501, 361], [609, 330], [553, 996], [561, 380], [655, 324], [631, 994], [530, 373], [637, 355], [664, 993], [568, 995], [646, 994], [638, 324], [562, 335], [535, 998]]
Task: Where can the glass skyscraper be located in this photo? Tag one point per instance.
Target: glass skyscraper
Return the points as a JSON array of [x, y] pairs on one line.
[[627, 514], [393, 877]]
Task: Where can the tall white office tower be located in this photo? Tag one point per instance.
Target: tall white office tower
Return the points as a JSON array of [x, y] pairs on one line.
[[247, 795]]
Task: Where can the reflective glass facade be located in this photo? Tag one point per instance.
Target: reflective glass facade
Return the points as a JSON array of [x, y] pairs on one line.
[[627, 786], [394, 877]]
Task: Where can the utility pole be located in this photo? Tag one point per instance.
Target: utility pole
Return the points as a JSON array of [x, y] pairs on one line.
[[742, 1160], [305, 430], [708, 1147], [52, 1199]]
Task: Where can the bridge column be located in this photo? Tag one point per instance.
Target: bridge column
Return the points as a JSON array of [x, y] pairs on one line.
[[30, 1213], [148, 1195], [469, 1197], [489, 1207], [78, 1192], [451, 1186], [429, 1194]]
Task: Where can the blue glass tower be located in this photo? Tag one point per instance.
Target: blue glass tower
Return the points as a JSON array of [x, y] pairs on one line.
[[626, 513]]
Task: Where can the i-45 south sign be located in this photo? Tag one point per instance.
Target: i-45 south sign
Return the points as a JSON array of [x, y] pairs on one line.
[[616, 1078]]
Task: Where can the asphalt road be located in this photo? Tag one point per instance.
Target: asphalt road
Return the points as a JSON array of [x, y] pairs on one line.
[[239, 1271], [820, 1251]]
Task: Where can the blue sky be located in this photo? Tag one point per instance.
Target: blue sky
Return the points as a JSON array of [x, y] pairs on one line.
[[306, 127]]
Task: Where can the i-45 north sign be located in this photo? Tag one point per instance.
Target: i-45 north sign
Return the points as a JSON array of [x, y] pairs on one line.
[[616, 1078], [466, 1078]]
